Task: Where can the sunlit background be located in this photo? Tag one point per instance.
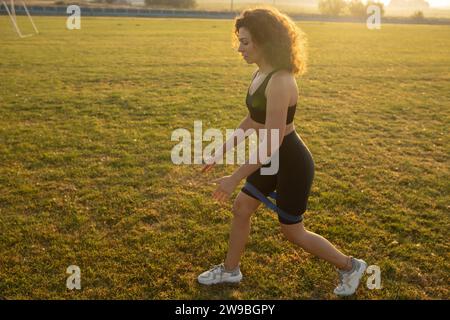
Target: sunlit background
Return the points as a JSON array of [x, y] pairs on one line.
[[86, 177], [432, 3]]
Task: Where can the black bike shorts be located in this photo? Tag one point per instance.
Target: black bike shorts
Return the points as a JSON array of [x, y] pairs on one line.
[[293, 180]]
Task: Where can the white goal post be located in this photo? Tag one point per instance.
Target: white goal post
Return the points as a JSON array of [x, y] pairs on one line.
[[12, 15]]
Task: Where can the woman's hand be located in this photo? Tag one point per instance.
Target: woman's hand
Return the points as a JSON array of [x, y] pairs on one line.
[[225, 188], [209, 164]]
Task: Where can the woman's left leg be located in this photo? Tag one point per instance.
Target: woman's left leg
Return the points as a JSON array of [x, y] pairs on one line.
[[316, 245], [351, 269], [294, 183]]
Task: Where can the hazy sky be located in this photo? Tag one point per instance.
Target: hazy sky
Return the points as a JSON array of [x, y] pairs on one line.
[[439, 3], [433, 3]]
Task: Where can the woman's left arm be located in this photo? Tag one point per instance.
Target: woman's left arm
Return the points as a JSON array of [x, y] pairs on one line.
[[276, 114]]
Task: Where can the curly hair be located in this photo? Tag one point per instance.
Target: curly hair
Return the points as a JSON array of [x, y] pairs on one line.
[[283, 44]]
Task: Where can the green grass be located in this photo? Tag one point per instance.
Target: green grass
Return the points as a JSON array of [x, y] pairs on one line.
[[86, 177]]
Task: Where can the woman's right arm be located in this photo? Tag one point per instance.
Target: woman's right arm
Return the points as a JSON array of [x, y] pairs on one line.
[[238, 136], [234, 140]]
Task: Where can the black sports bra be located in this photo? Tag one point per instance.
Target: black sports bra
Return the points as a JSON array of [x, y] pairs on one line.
[[256, 103]]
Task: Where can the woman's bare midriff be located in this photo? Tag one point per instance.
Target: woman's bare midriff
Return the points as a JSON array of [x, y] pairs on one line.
[[289, 128]]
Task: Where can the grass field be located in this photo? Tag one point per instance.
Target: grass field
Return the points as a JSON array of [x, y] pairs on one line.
[[86, 178]]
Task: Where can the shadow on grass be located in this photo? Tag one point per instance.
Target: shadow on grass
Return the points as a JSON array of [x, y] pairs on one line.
[[225, 291]]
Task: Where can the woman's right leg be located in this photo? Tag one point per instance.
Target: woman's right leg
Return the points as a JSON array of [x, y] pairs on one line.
[[243, 207]]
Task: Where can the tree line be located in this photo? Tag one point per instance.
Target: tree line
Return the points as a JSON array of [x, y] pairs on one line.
[[354, 8]]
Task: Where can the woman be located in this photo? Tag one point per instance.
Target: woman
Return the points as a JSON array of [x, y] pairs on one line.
[[273, 42]]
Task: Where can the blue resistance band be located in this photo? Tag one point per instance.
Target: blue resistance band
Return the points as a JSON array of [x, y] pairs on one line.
[[289, 217]]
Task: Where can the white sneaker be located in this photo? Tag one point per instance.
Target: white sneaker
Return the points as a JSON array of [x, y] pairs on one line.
[[349, 281], [218, 274]]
